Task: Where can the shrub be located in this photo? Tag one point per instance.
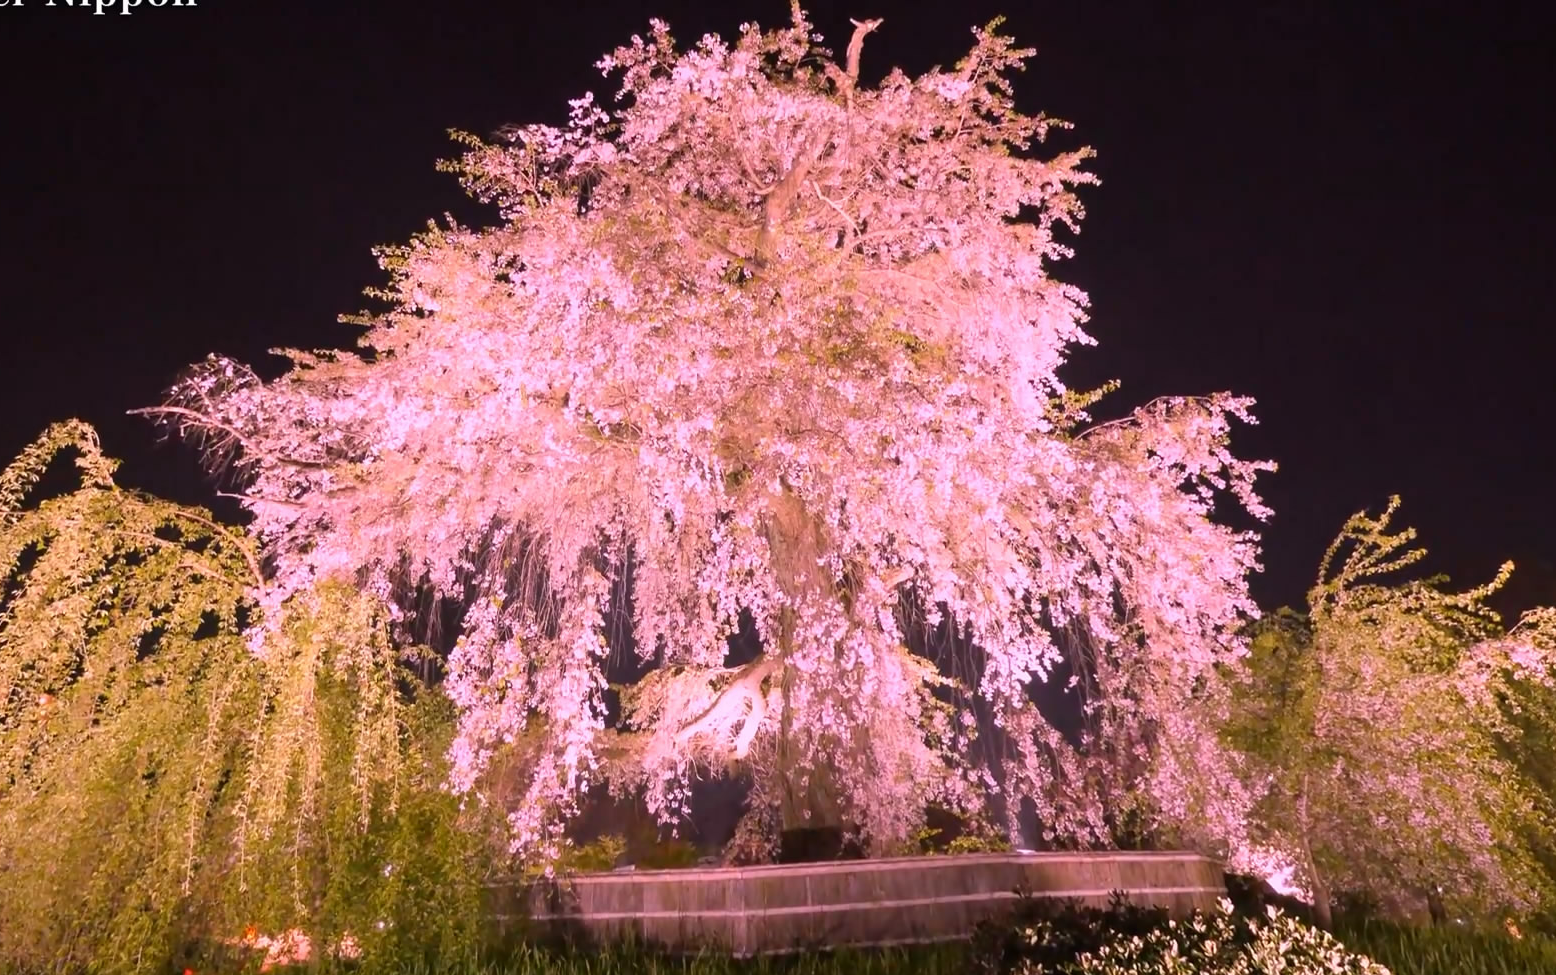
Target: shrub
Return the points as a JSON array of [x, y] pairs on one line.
[[162, 788], [1124, 939], [668, 854], [951, 833], [596, 856]]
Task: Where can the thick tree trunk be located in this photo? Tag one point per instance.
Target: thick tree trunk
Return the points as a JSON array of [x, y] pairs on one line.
[[808, 797]]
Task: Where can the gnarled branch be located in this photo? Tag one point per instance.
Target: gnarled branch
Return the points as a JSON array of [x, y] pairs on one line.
[[744, 692]]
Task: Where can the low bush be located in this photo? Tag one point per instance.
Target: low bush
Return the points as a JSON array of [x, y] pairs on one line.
[[668, 854], [1123, 939]]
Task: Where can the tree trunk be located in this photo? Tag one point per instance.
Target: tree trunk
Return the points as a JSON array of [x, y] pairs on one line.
[[1323, 911], [1434, 905], [807, 797]]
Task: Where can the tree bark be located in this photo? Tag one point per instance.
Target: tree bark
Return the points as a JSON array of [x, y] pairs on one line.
[[807, 796], [1323, 910], [1434, 905]]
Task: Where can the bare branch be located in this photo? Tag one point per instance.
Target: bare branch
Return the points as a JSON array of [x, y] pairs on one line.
[[761, 188], [850, 224], [236, 542], [856, 44]]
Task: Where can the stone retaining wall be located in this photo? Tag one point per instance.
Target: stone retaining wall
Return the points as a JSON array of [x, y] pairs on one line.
[[757, 910]]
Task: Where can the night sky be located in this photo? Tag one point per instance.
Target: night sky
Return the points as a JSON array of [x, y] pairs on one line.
[[1341, 209]]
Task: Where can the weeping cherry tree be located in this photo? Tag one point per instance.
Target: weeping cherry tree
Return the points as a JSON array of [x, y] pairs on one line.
[[762, 343]]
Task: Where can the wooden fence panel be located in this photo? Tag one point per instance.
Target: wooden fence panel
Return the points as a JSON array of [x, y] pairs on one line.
[[759, 910]]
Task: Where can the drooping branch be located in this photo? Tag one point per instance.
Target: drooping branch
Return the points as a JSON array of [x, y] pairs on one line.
[[242, 545], [205, 424]]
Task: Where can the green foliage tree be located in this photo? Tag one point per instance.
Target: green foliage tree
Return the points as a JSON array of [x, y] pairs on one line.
[[1375, 730], [1531, 710], [161, 786]]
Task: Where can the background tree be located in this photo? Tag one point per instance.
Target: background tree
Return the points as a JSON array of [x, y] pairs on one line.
[[110, 754], [1377, 725], [161, 787], [764, 344], [1530, 710]]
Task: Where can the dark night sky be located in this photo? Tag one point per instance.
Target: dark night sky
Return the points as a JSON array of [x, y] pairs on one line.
[[1338, 208]]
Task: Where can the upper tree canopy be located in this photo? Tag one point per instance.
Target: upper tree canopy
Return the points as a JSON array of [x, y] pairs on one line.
[[759, 339]]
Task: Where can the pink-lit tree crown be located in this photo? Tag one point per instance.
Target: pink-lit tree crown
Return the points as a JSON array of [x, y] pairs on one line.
[[762, 340]]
